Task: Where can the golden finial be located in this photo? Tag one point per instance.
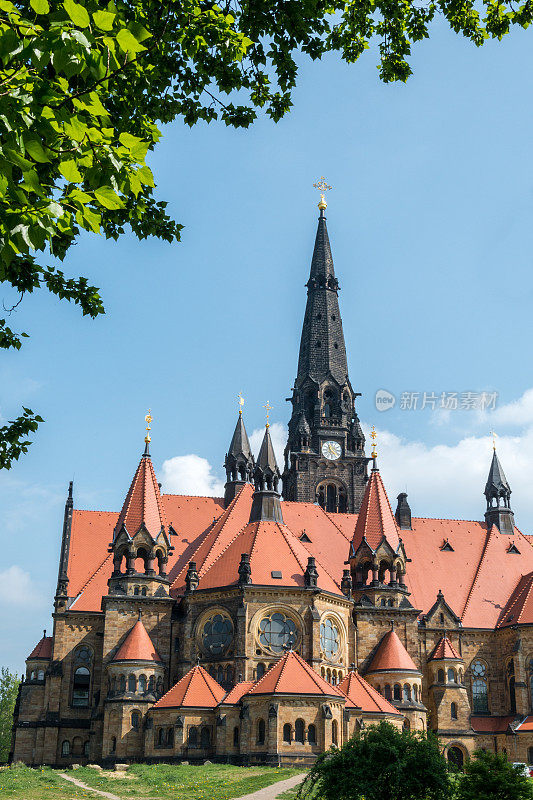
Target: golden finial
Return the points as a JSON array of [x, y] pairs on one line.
[[323, 186], [149, 420], [493, 434], [373, 436], [240, 401], [268, 410]]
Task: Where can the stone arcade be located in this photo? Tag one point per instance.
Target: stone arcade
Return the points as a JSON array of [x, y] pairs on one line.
[[253, 629]]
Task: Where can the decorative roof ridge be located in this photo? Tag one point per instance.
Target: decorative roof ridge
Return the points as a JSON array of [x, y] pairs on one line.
[[328, 515], [226, 516], [453, 519], [95, 511], [313, 673], [91, 577], [198, 670], [303, 566], [354, 674], [193, 496], [478, 569], [254, 537], [528, 590], [223, 552], [287, 536]]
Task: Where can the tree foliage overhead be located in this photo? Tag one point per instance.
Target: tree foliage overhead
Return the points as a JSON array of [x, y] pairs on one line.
[[381, 762], [84, 85]]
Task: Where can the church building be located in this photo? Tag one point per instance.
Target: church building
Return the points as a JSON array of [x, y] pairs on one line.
[[273, 623]]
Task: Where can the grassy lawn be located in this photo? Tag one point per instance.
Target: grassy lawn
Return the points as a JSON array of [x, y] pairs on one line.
[[142, 782]]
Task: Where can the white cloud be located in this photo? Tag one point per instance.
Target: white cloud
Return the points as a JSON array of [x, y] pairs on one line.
[[190, 474], [278, 434], [17, 589]]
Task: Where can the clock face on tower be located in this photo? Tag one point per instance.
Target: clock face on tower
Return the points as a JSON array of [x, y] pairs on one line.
[[331, 450]]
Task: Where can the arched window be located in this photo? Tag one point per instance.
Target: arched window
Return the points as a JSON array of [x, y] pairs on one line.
[[415, 693], [334, 677], [159, 688], [77, 746], [261, 731], [80, 687], [328, 675], [453, 710], [229, 674], [86, 748], [480, 699], [334, 732], [193, 737], [122, 683], [331, 497], [142, 684], [511, 680], [65, 748], [260, 670], [205, 738], [397, 692], [132, 683], [388, 693], [143, 591], [40, 675], [329, 638], [220, 674], [406, 725], [33, 676], [441, 677], [406, 693], [530, 755], [151, 684], [460, 676], [287, 733], [213, 671], [135, 720], [113, 743], [235, 737], [456, 757], [161, 737], [299, 731], [170, 737], [311, 734], [451, 675]]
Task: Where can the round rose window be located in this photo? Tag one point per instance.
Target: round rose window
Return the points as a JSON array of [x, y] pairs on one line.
[[277, 632]]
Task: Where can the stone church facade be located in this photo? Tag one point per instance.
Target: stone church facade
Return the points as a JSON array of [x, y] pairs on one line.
[[256, 629]]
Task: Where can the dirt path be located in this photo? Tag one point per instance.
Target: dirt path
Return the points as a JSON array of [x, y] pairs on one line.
[[81, 785], [275, 789]]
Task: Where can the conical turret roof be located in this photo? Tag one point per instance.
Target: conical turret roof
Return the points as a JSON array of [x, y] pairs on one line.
[[292, 675], [142, 506], [391, 655], [197, 689], [137, 646], [376, 520], [266, 460], [362, 695], [240, 445], [444, 650], [496, 481]]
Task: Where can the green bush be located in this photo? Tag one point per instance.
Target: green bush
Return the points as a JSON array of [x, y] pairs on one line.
[[491, 777], [381, 763]]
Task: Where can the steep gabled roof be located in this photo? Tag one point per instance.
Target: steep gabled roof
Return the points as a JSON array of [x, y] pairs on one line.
[[519, 608], [137, 646], [142, 506], [444, 650], [376, 521], [197, 689], [391, 655], [292, 675], [43, 648], [362, 695]]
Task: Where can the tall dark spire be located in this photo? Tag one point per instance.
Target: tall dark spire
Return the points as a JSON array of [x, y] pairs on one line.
[[62, 577], [498, 495], [266, 501], [239, 462], [323, 399]]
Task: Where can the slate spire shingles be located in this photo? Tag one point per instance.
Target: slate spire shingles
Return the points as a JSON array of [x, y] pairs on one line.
[[142, 506]]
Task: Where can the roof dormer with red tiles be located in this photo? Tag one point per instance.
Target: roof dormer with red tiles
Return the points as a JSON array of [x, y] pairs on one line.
[[377, 555], [141, 537]]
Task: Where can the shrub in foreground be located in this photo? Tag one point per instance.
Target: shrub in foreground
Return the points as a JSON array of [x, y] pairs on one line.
[[491, 777]]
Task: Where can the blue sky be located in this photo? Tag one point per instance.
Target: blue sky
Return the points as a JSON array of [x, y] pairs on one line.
[[430, 225]]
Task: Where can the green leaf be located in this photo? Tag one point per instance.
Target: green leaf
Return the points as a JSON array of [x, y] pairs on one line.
[[70, 171], [108, 198], [36, 150], [145, 176], [77, 13], [40, 6], [128, 42], [104, 20]]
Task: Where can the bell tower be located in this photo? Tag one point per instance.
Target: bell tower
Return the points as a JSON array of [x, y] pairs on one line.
[[324, 458]]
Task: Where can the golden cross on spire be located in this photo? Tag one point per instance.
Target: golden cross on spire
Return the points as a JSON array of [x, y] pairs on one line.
[[493, 434], [373, 436], [240, 401], [268, 410], [323, 186], [149, 420]]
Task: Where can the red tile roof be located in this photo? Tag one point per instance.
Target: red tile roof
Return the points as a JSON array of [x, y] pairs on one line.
[[142, 505], [197, 689], [443, 650], [238, 691], [292, 675], [491, 724], [376, 520], [525, 725], [137, 646], [519, 607], [364, 696], [391, 655], [43, 648]]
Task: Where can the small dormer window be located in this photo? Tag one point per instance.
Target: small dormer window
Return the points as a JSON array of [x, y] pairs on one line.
[[513, 549], [446, 546]]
